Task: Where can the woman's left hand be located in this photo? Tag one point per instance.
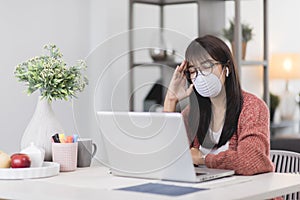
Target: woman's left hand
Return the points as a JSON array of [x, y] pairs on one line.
[[197, 156]]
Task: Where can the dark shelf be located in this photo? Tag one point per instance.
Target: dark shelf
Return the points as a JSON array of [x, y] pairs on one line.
[[172, 63], [254, 62], [167, 63], [282, 124], [169, 2], [164, 2]]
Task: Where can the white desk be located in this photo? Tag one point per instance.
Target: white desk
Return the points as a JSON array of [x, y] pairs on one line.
[[97, 183]]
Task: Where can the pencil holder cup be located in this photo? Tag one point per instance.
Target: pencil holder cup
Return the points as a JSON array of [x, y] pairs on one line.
[[66, 155]]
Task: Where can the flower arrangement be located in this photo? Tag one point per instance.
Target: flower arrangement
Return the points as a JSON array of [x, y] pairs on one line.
[[246, 32], [50, 75]]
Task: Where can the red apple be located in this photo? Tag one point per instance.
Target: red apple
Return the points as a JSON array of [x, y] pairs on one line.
[[20, 160]]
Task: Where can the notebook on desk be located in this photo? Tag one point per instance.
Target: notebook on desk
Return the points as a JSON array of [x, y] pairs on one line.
[[151, 145]]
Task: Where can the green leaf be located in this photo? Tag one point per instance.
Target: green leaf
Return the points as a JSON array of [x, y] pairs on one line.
[[51, 75]]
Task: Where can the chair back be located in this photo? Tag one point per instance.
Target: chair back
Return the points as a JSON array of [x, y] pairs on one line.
[[286, 162]]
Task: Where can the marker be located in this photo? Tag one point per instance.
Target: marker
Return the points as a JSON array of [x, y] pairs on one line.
[[69, 139], [55, 138], [75, 138], [62, 138]]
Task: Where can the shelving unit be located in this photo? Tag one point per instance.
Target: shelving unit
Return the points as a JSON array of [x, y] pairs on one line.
[[208, 11], [238, 47]]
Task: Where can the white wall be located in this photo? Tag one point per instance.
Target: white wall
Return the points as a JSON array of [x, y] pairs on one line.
[[25, 27], [79, 26]]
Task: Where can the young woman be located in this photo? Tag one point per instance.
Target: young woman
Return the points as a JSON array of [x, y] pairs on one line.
[[228, 127]]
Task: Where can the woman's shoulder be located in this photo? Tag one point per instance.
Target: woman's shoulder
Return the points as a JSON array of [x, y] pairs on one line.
[[253, 104], [250, 99]]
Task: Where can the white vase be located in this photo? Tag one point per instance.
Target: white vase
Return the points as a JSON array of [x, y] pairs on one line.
[[288, 106], [42, 126]]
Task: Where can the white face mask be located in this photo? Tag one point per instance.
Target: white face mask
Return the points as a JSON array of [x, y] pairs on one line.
[[208, 86]]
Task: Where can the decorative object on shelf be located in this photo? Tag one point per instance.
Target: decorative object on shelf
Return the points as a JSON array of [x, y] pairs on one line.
[[286, 66], [298, 99], [158, 54], [35, 154], [55, 81], [274, 102], [247, 35], [162, 50]]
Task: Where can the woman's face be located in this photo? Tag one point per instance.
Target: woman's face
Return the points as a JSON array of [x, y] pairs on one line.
[[201, 63], [206, 67]]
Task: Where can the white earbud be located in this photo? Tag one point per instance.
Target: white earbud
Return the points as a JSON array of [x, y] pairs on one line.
[[227, 71]]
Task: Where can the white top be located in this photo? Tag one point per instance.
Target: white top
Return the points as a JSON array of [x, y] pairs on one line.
[[215, 137]]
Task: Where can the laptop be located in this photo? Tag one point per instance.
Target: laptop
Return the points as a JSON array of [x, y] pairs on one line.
[[151, 145]]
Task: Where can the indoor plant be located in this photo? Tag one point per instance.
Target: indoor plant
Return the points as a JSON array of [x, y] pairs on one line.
[[274, 102], [247, 35], [49, 75]]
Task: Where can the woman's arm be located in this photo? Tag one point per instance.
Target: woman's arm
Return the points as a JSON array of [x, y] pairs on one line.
[[170, 104], [250, 153]]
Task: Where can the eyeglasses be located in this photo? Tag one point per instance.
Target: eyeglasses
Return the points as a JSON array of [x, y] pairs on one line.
[[205, 69]]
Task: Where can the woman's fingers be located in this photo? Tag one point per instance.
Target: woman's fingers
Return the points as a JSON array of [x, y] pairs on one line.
[[179, 71], [182, 66], [189, 90]]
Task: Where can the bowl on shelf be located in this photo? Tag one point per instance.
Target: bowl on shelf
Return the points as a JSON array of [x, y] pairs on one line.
[[158, 54]]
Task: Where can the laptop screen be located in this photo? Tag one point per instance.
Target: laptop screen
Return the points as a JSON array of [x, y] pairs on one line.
[[147, 145], [153, 140]]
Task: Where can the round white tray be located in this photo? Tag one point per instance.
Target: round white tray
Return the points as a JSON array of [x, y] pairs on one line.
[[48, 169]]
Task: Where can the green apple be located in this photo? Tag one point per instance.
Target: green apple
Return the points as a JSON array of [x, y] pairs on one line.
[[4, 160]]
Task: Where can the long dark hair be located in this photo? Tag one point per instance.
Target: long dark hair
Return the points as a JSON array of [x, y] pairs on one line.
[[200, 107]]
